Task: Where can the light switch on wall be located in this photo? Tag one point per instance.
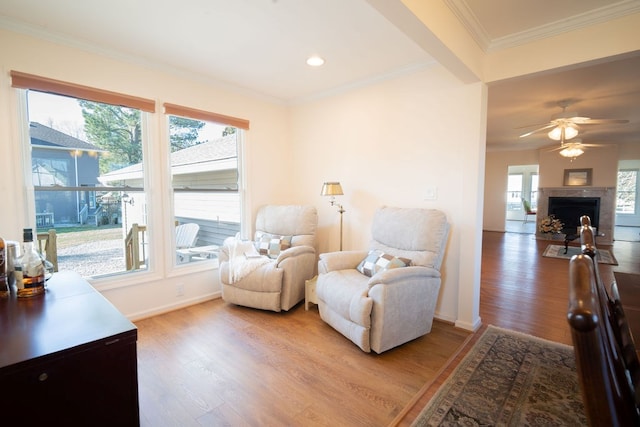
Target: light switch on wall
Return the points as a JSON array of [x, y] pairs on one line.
[[431, 193]]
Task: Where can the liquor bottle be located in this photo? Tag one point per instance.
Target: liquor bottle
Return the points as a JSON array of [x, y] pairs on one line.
[[4, 283], [32, 282]]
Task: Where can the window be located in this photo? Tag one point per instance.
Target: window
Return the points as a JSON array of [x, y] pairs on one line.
[[74, 192], [89, 171], [514, 192], [626, 191], [76, 146], [206, 180]]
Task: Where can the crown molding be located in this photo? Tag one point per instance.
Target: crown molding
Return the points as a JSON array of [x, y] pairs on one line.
[[592, 17], [468, 19]]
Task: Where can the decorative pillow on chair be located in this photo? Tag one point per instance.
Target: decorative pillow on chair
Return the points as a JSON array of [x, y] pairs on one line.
[[377, 261], [271, 246]]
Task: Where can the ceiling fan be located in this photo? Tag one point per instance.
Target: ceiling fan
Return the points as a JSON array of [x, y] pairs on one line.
[[565, 124], [573, 148]]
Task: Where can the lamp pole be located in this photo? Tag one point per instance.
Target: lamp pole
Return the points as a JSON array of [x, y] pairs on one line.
[[341, 210], [334, 189]]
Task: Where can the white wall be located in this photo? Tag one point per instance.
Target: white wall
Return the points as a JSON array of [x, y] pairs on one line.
[[141, 294], [387, 144]]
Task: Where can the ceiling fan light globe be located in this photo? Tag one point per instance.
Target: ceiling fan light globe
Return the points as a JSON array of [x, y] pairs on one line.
[[555, 133], [570, 131], [571, 152]]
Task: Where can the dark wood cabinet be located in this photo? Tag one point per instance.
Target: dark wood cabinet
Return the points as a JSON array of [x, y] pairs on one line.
[[68, 357]]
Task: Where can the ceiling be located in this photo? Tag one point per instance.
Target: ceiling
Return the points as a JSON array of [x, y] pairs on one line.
[[260, 46]]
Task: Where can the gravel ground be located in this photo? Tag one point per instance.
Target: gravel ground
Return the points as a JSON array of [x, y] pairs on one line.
[[94, 258]]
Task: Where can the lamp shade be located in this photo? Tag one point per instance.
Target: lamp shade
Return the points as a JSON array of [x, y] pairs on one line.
[[331, 189]]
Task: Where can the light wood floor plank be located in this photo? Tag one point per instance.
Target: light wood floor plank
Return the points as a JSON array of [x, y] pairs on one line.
[[219, 364], [215, 364], [523, 291]]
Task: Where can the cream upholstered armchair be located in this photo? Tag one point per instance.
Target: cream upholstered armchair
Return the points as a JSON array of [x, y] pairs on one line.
[[386, 296], [269, 272]]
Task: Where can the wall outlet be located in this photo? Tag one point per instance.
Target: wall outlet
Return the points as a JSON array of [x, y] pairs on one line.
[[180, 289]]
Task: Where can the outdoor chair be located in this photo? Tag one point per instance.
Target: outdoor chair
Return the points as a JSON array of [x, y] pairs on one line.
[[527, 210], [187, 235]]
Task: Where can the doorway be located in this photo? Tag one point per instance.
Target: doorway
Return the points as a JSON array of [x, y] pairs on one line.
[[522, 183]]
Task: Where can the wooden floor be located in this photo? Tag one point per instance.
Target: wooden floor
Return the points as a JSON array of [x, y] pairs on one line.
[[524, 291], [217, 364]]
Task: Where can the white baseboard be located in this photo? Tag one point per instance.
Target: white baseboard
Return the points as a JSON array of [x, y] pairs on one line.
[[172, 307]]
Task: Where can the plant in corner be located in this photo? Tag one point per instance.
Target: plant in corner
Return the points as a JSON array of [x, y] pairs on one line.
[[551, 225]]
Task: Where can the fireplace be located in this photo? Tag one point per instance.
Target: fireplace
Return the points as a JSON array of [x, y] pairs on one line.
[[604, 219], [570, 209]]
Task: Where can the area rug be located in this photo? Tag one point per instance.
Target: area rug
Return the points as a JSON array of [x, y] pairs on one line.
[[509, 379], [604, 256]]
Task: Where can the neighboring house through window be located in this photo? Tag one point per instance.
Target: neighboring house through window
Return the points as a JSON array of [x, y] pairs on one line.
[[61, 161], [69, 193], [90, 181]]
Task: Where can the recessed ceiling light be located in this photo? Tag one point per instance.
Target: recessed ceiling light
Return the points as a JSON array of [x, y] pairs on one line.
[[315, 61]]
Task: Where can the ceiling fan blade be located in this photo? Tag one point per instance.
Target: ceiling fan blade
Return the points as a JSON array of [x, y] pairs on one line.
[[602, 121], [550, 125], [580, 145], [533, 125]]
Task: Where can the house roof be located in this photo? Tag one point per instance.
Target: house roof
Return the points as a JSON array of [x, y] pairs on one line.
[[44, 136], [211, 151], [219, 149]]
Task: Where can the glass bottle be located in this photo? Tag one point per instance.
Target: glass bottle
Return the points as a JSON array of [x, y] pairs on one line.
[[32, 269], [4, 283], [13, 252]]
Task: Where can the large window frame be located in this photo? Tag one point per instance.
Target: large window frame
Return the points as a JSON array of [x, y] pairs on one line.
[[228, 190], [157, 200], [48, 147]]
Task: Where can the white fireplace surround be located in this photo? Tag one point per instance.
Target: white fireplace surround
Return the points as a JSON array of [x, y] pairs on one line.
[[607, 215]]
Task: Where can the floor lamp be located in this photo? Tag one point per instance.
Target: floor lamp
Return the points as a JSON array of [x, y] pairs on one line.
[[334, 189]]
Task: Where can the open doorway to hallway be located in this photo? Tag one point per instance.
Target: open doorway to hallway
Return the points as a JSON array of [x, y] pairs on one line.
[[522, 199]]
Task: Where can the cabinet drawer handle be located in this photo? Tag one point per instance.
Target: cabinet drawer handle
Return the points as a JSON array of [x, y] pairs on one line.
[[43, 377], [112, 341]]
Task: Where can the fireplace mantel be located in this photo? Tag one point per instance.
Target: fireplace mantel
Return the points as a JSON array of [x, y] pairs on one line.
[[607, 197]]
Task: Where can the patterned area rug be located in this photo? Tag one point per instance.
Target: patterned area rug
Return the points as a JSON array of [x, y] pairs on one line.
[[604, 256], [509, 379]]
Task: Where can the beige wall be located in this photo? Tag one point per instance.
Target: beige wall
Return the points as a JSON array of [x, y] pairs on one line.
[[267, 143], [387, 144], [603, 161]]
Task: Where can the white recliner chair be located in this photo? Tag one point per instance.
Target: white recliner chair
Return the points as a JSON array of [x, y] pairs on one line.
[[270, 271], [386, 296]]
